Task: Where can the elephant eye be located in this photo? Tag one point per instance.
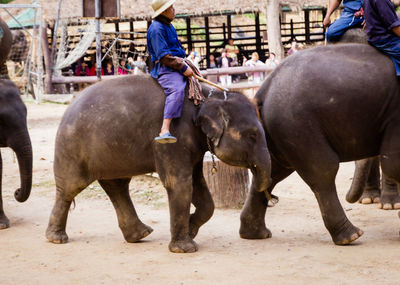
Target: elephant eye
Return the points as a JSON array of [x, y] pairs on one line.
[[252, 136]]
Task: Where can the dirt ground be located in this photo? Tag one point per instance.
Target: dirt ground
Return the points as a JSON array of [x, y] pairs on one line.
[[300, 250]]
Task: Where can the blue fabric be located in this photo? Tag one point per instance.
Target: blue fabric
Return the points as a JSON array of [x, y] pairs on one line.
[[353, 5], [341, 25], [390, 47], [380, 18], [162, 39], [174, 85]]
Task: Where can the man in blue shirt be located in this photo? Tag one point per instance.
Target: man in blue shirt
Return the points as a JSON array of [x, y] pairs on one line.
[[350, 17], [170, 69], [383, 28]]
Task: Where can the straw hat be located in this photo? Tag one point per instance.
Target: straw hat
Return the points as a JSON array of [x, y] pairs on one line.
[[160, 6]]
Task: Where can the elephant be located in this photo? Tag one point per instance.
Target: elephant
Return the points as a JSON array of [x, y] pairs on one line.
[[107, 134], [5, 47], [14, 134], [366, 184], [320, 107]]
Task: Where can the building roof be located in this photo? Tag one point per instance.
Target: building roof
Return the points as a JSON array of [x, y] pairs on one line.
[[141, 9]]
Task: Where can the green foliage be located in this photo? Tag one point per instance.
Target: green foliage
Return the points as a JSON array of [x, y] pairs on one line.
[[5, 1]]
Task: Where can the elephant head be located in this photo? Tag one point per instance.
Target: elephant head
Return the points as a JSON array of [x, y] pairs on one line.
[[14, 134], [235, 134]]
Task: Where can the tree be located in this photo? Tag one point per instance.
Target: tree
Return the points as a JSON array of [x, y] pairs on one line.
[[274, 28]]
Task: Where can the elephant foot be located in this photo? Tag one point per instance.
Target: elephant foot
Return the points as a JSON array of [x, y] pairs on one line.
[[347, 234], [370, 196], [139, 233], [252, 230], [183, 246], [4, 222], [56, 236], [390, 202]]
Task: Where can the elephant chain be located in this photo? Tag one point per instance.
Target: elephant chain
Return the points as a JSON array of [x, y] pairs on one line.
[[214, 165]]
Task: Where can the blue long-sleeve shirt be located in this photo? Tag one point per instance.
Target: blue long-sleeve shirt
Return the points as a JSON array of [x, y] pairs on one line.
[[162, 40], [381, 18]]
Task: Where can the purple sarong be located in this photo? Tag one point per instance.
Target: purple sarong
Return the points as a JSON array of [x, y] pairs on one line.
[[174, 84]]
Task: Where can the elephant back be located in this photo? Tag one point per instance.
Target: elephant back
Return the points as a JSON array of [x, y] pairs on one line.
[[5, 41]]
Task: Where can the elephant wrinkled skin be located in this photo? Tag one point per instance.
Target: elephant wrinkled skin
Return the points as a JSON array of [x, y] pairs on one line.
[[323, 106], [107, 134]]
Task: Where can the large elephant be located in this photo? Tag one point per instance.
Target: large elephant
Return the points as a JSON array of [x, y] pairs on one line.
[[366, 185], [107, 134], [5, 47], [14, 134], [323, 106]]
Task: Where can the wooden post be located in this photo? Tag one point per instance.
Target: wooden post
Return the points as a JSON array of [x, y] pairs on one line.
[[258, 34], [224, 31], [307, 25], [229, 186], [274, 28], [291, 30], [189, 34], [207, 30], [229, 21], [47, 61], [98, 38]]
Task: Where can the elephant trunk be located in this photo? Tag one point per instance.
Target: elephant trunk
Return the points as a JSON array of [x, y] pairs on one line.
[[23, 149], [261, 170], [363, 168]]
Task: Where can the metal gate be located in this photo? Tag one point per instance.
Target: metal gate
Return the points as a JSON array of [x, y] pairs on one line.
[[24, 63]]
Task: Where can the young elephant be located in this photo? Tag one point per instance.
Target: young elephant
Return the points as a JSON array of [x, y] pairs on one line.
[[107, 134], [14, 134], [320, 107]]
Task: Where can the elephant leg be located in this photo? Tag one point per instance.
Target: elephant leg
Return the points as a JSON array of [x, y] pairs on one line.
[[131, 226], [175, 169], [4, 222], [372, 190], [390, 162], [390, 198], [202, 200], [319, 171], [58, 218], [252, 217]]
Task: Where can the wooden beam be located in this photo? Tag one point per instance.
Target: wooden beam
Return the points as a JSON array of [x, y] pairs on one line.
[[258, 33], [207, 30], [307, 25], [229, 22], [189, 34]]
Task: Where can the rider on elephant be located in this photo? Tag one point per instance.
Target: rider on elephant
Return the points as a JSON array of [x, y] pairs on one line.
[[351, 16], [170, 70], [383, 28]]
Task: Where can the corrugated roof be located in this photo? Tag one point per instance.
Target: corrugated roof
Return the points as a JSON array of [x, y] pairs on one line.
[[142, 8]]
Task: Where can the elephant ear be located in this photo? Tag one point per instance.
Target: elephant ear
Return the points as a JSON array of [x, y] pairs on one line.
[[213, 119]]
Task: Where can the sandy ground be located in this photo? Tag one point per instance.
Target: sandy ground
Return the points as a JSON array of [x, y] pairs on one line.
[[300, 250]]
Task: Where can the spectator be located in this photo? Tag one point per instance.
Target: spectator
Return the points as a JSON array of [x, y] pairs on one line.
[[293, 49], [212, 63], [109, 69], [232, 51], [82, 69], [254, 61], [272, 61], [122, 69], [194, 58], [139, 65], [224, 61], [351, 16]]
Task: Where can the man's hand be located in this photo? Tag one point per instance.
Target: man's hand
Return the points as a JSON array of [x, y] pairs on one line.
[[189, 72], [396, 31], [327, 21]]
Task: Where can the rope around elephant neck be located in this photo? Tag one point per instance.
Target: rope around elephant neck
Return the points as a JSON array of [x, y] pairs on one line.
[[214, 165]]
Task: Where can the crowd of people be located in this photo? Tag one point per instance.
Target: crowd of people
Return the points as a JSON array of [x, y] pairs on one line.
[[125, 66]]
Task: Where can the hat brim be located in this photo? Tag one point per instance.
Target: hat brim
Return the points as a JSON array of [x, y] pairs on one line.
[[163, 8]]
